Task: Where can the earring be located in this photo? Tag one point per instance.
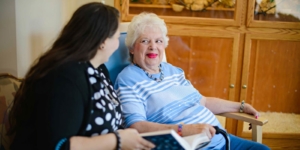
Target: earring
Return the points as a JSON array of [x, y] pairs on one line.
[[101, 47]]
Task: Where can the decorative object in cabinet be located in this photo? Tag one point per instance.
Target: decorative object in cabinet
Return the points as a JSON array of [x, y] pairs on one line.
[[274, 13], [201, 5], [212, 12]]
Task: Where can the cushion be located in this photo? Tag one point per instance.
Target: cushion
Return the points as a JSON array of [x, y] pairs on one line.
[[8, 88], [118, 60]]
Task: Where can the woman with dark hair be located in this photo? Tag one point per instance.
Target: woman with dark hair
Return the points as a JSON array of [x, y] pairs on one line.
[[66, 100]]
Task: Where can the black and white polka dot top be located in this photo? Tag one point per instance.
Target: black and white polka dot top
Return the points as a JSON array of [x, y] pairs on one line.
[[105, 115]]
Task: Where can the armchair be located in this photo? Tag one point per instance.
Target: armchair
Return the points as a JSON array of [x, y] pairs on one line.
[[9, 85], [120, 59]]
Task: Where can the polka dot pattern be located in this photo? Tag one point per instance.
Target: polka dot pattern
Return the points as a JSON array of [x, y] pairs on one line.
[[105, 116]]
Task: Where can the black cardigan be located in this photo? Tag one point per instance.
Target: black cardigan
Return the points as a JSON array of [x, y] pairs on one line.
[[62, 107]]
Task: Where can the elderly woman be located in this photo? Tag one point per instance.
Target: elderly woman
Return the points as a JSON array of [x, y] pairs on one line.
[[156, 95]]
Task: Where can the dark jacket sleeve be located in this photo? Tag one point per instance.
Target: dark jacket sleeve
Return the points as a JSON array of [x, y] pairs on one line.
[[61, 107]]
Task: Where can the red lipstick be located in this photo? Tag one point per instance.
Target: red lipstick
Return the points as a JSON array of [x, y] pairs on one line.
[[152, 55]]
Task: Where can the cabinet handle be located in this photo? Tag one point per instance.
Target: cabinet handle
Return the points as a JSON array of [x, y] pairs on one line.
[[244, 86], [231, 86]]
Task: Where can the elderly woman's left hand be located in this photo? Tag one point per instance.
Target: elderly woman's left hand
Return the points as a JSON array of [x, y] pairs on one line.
[[251, 110]]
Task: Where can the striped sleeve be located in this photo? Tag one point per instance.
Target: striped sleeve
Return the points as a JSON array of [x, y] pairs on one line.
[[133, 106]]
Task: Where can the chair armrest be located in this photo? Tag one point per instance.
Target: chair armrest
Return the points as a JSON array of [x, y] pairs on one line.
[[256, 123], [246, 117]]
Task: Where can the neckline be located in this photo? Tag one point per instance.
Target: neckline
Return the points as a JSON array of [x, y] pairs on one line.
[[161, 77]]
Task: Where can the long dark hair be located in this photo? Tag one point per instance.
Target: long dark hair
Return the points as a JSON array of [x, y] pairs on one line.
[[90, 25]]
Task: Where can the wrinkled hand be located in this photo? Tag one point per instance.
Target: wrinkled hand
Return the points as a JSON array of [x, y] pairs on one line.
[[131, 140], [190, 129], [250, 110]]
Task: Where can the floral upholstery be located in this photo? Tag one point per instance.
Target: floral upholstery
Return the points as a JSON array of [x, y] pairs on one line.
[[8, 87]]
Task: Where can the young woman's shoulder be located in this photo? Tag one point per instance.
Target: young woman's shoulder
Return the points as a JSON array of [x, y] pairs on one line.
[[72, 70], [74, 73]]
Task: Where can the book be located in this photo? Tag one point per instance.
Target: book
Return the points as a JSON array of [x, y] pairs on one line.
[[170, 140]]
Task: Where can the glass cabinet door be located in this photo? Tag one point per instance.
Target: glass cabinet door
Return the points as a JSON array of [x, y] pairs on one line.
[[274, 13], [213, 12]]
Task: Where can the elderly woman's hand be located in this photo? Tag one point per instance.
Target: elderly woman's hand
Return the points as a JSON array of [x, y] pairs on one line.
[[131, 140], [190, 129], [251, 110]]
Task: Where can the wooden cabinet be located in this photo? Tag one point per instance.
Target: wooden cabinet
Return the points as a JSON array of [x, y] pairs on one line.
[[209, 66], [249, 52]]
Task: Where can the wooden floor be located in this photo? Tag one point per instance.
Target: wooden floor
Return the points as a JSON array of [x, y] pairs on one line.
[[289, 124], [280, 123], [285, 123], [282, 144]]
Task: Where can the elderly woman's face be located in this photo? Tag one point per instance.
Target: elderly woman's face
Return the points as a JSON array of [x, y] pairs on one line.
[[149, 49]]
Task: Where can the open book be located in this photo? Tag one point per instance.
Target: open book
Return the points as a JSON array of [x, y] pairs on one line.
[[169, 139]]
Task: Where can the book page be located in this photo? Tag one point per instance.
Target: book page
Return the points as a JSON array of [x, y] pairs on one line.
[[166, 139], [197, 141]]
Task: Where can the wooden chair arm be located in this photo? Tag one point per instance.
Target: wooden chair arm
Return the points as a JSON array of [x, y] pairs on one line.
[[256, 123], [246, 117], [7, 75]]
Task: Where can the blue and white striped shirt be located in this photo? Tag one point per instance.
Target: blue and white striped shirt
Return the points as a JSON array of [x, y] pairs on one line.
[[171, 101]]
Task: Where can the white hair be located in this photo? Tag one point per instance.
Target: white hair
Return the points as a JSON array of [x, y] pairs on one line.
[[138, 25]]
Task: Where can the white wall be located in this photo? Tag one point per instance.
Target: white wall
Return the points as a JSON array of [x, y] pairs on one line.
[[37, 24], [29, 27], [8, 54]]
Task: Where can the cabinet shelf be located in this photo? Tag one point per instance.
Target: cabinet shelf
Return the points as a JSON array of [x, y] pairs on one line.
[[216, 14], [139, 5], [149, 6]]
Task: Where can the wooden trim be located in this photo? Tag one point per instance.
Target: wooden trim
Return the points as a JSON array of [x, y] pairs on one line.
[[117, 5], [273, 135], [125, 11], [250, 14], [275, 24], [170, 7], [245, 66], [255, 75], [284, 37], [204, 31], [238, 13], [243, 14], [191, 20], [234, 66]]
